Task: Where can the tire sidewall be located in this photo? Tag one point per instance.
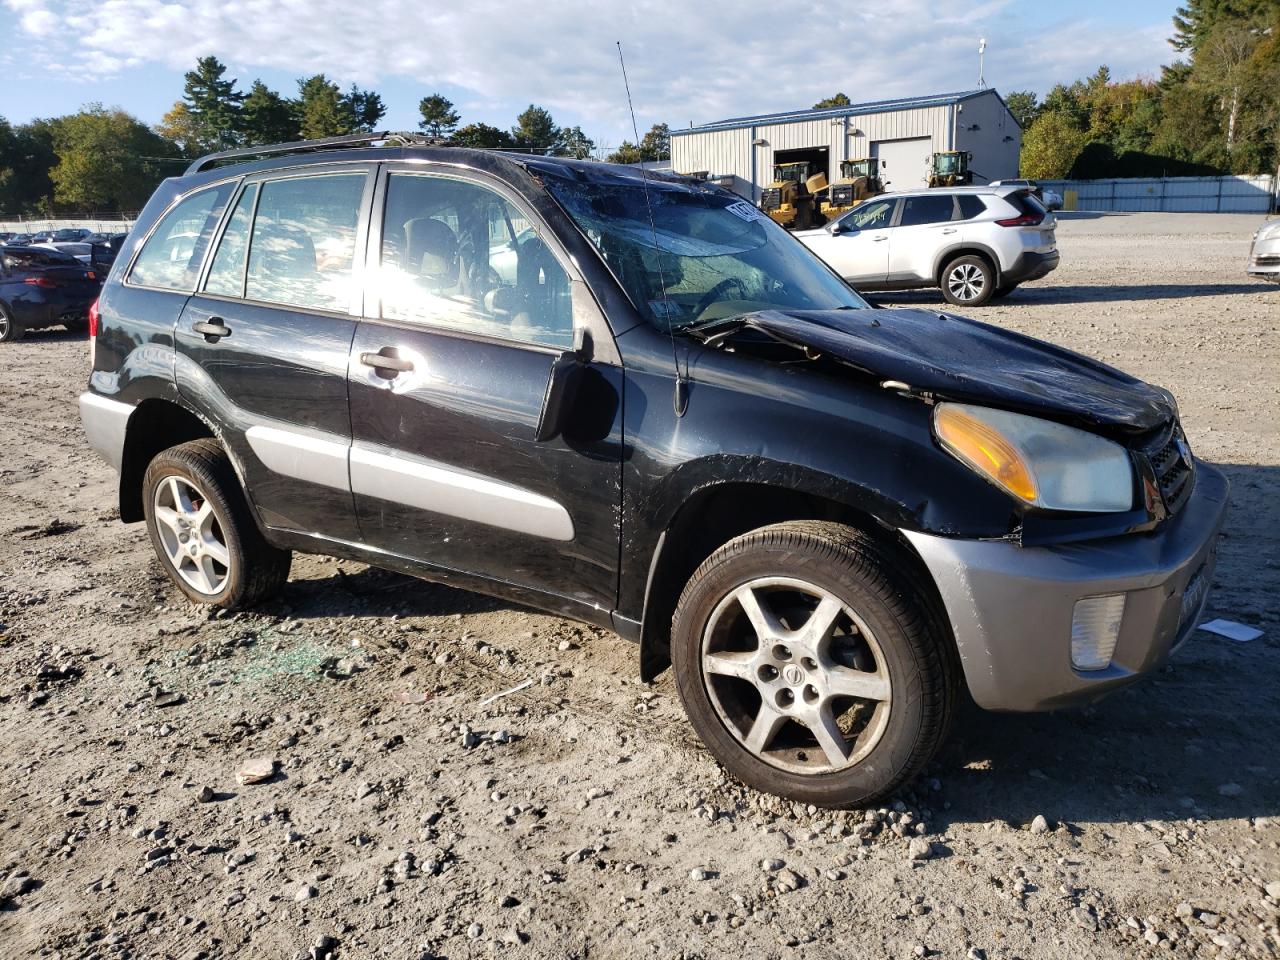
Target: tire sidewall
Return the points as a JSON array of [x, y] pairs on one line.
[[9, 331], [897, 746], [988, 285], [165, 465]]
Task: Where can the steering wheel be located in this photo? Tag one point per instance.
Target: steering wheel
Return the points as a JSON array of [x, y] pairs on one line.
[[716, 292]]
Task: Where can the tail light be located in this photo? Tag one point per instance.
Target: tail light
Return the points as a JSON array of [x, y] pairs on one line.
[[1026, 220], [94, 318], [91, 275], [44, 283]]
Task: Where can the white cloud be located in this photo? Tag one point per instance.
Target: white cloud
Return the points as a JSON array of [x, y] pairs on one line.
[[687, 62]]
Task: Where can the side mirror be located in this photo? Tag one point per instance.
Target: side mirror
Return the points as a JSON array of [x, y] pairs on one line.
[[835, 228], [562, 387]]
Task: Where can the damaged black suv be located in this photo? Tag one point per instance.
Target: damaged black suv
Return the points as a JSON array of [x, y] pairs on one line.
[[635, 401]]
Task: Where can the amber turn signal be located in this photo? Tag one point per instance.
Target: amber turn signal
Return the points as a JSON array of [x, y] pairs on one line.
[[984, 449]]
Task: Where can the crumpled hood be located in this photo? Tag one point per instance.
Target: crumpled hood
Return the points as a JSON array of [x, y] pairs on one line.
[[956, 358]]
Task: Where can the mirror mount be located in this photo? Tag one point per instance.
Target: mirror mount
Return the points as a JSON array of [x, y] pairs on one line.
[[562, 386]]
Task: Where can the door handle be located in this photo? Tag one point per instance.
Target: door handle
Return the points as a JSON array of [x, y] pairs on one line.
[[380, 361], [949, 230], [213, 329], [878, 239]]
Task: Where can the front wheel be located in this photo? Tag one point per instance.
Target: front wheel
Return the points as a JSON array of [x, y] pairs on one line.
[[202, 531], [968, 281], [809, 663]]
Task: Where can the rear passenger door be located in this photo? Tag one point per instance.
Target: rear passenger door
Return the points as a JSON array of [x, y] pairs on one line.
[[925, 225], [473, 304], [263, 344]]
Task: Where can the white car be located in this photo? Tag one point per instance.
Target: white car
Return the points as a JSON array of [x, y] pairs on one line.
[[1264, 254], [974, 243]]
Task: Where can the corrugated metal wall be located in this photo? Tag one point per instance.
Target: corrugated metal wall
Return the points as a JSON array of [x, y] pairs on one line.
[[1171, 194], [730, 152], [997, 143]]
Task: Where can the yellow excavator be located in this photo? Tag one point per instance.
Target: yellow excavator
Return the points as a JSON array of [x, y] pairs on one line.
[[859, 180], [789, 199], [950, 169]]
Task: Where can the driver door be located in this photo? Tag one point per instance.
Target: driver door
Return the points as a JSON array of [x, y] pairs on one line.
[[859, 248], [472, 303]]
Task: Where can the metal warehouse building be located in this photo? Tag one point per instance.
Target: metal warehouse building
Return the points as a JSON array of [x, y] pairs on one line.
[[902, 133]]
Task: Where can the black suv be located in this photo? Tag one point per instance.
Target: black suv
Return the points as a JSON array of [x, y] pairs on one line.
[[636, 401]]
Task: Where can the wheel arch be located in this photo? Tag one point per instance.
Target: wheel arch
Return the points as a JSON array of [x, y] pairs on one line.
[[966, 249], [717, 513], [155, 424]]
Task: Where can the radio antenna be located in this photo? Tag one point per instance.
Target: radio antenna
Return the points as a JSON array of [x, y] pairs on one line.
[[680, 402]]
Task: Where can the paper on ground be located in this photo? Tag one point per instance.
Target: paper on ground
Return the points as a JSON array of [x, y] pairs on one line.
[[1231, 630]]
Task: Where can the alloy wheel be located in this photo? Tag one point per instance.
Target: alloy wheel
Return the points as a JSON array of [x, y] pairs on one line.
[[192, 536], [966, 281], [795, 675]]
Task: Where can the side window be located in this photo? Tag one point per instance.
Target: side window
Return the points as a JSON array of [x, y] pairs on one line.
[[970, 206], [872, 215], [302, 248], [917, 211], [458, 255], [226, 274], [173, 253]]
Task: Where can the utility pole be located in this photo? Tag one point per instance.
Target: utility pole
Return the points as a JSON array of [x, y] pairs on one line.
[[982, 50]]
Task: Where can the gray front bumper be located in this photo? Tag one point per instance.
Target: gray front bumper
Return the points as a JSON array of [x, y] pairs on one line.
[[1010, 606], [105, 424]]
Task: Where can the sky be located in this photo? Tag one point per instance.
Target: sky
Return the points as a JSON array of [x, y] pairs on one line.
[[688, 62]]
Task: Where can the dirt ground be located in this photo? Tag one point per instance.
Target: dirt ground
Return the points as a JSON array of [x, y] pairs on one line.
[[579, 817]]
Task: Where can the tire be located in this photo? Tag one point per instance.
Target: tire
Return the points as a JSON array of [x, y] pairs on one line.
[[968, 281], [9, 329], [888, 642], [202, 530]]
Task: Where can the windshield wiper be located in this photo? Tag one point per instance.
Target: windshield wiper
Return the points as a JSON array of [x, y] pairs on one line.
[[712, 332]]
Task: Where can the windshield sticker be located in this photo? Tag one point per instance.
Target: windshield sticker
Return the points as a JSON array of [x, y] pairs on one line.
[[666, 309], [745, 211]]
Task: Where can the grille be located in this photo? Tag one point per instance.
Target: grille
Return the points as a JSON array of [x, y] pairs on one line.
[[771, 199], [842, 194], [1174, 468]]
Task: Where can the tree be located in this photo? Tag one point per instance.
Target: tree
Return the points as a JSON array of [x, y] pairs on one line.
[[1051, 146], [267, 117], [838, 100], [656, 144], [1023, 104], [627, 152], [213, 105], [365, 109], [439, 119], [322, 110], [107, 160], [481, 135], [179, 126], [535, 130], [572, 142]]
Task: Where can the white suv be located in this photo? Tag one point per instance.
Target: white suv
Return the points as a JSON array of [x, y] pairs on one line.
[[974, 242]]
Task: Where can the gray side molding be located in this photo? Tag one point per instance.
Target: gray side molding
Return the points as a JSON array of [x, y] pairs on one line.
[[421, 483], [303, 456], [105, 423]]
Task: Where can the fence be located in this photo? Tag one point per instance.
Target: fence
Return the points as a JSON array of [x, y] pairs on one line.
[[1169, 194], [96, 223]]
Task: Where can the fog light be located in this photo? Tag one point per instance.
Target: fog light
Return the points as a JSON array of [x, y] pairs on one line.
[[1095, 626]]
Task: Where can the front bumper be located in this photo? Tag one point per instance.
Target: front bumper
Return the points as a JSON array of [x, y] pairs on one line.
[[1264, 259], [1011, 607], [1030, 266]]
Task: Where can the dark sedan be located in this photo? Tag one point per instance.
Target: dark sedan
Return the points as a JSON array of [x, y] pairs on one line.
[[43, 288]]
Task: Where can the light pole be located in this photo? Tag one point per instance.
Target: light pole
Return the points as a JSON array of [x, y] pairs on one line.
[[982, 50]]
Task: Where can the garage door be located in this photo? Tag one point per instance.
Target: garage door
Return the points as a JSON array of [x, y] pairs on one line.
[[905, 162]]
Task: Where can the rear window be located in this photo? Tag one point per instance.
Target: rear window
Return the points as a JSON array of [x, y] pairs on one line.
[[1027, 203], [970, 206], [22, 258], [172, 255]]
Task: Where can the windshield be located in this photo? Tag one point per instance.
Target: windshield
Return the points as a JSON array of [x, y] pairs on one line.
[[947, 162], [708, 254]]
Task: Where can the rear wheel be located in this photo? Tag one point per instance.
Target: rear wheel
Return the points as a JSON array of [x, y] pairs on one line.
[[968, 281], [9, 330], [202, 531], [808, 662]]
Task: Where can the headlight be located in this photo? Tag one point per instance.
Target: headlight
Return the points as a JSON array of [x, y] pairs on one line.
[[1268, 231], [1040, 462]]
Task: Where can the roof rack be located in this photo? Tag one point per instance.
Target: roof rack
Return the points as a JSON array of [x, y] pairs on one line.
[[309, 146]]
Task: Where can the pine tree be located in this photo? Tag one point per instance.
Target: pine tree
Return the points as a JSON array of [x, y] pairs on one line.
[[365, 108], [481, 135], [213, 105], [267, 117], [535, 130], [439, 119], [656, 144], [322, 109]]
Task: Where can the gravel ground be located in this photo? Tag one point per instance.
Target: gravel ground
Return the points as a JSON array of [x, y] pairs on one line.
[[406, 817]]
